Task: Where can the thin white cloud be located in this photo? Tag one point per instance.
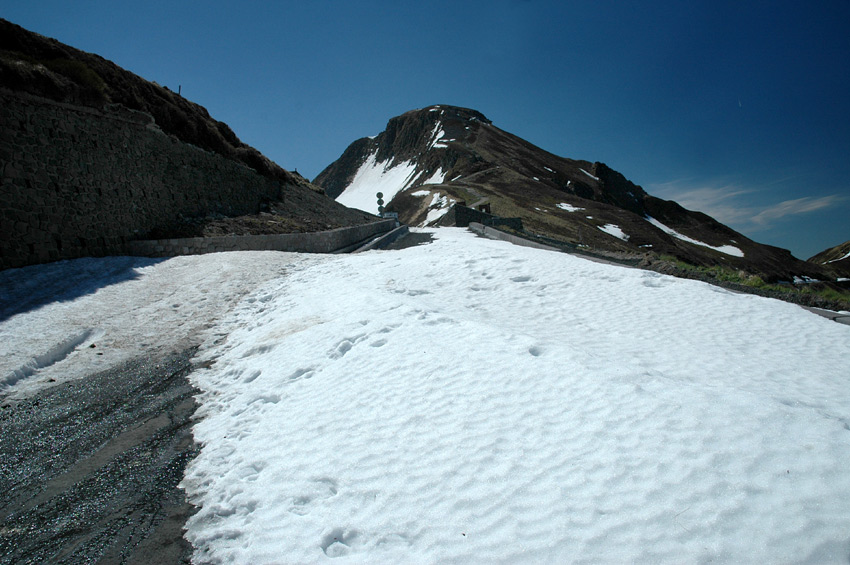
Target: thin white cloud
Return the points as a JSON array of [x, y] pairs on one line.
[[734, 205], [723, 203], [796, 206]]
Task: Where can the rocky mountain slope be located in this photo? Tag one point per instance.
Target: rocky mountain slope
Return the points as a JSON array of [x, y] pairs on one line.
[[835, 258], [426, 160], [43, 66], [48, 70]]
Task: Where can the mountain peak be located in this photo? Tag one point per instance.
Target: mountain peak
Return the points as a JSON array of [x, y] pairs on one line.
[[450, 112], [428, 159]]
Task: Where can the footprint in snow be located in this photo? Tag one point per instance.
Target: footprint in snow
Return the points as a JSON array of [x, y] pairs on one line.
[[338, 541], [304, 373], [316, 490], [344, 347]]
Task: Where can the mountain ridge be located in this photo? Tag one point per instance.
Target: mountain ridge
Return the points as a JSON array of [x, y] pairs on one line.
[[429, 158], [836, 258]]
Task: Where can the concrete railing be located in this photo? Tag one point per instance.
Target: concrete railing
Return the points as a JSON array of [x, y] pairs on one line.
[[315, 242]]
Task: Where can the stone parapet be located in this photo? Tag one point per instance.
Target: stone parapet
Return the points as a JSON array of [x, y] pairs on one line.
[[314, 242]]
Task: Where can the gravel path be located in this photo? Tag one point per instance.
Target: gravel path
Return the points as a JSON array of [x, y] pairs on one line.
[[89, 469]]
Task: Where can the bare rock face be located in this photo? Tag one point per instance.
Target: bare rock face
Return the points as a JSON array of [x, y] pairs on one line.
[[444, 155]]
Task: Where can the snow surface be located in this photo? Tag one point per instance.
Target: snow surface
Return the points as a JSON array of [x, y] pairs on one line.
[[840, 258], [51, 315], [612, 229], [440, 204], [727, 249], [568, 207], [472, 401], [436, 135], [438, 177], [588, 174], [373, 177]]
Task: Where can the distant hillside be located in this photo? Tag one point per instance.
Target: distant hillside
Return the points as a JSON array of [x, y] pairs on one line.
[[426, 160], [835, 258]]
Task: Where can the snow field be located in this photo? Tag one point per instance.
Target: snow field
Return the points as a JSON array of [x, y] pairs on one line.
[[615, 230], [727, 249], [373, 177], [390, 179], [471, 401], [568, 207], [123, 306]]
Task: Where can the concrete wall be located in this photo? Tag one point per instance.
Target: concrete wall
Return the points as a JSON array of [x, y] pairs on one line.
[[316, 242], [75, 181]]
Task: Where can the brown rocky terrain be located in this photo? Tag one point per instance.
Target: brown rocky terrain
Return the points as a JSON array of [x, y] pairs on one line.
[[836, 259], [584, 204]]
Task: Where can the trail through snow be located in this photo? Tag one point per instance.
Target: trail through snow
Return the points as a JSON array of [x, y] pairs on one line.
[[69, 319]]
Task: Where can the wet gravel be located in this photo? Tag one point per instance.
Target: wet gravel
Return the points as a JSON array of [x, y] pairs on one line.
[[89, 469]]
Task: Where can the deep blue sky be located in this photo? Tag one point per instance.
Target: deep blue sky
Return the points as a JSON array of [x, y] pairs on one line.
[[738, 109]]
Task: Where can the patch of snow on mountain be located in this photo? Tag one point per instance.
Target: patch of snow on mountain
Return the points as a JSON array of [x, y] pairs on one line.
[[569, 207], [614, 230], [727, 249], [439, 177], [840, 258], [548, 169], [457, 177], [472, 401], [440, 204], [588, 174], [373, 177], [421, 193], [436, 135]]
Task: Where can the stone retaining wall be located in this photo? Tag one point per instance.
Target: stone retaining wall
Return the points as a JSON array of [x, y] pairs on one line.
[[315, 242], [77, 181], [462, 216]]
